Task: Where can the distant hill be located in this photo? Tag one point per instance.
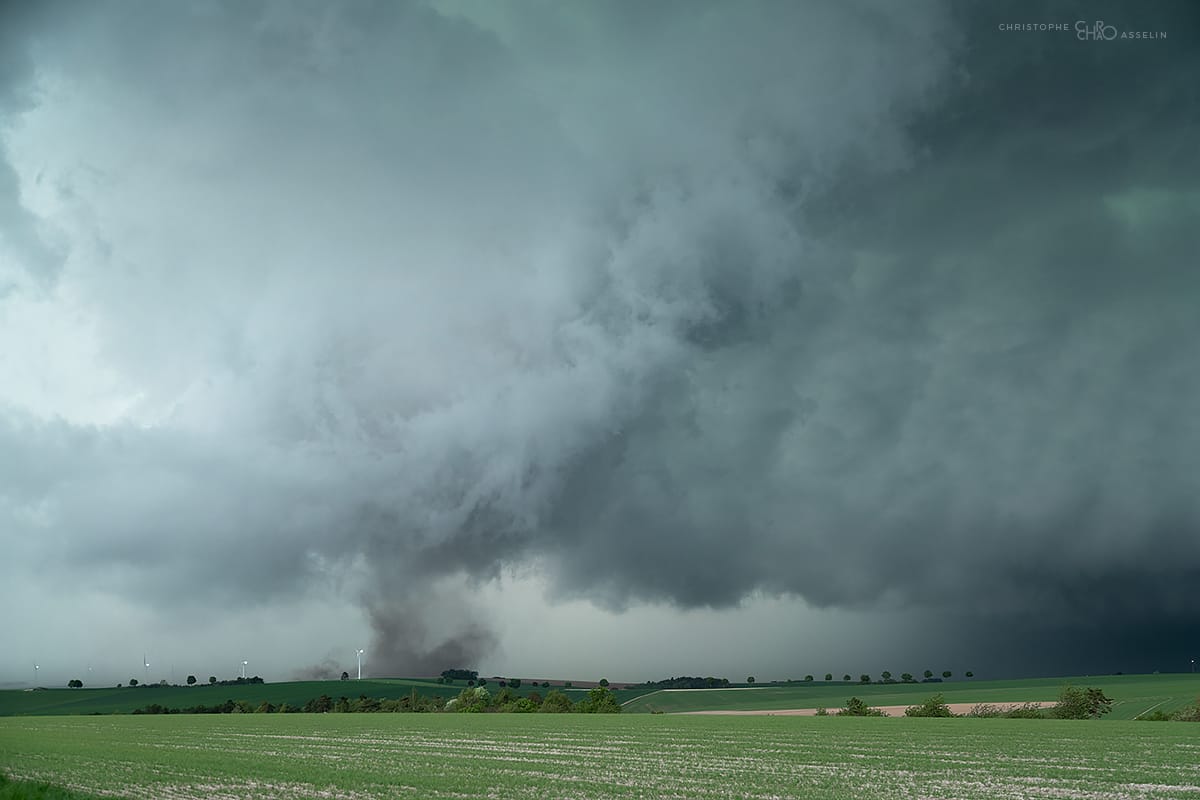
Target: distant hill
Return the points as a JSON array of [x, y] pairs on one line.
[[1132, 694], [21, 702]]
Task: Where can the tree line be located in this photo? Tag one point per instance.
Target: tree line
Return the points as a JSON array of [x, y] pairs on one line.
[[475, 699]]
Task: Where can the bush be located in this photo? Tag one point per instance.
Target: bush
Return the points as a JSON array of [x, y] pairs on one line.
[[1157, 716], [600, 701], [1189, 714], [858, 708], [933, 707], [1025, 711], [822, 712], [985, 710], [1077, 703], [556, 703]]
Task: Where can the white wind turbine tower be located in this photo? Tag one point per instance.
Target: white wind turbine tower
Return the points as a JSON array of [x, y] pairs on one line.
[[359, 653], [244, 663]]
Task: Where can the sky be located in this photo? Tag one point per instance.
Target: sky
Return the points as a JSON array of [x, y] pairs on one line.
[[590, 339]]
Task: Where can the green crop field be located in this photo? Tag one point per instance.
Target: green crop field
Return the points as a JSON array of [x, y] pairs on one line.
[[594, 757], [1131, 694]]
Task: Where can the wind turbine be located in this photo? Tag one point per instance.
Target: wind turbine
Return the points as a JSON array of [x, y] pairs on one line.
[[359, 653], [36, 672], [146, 664], [244, 663]]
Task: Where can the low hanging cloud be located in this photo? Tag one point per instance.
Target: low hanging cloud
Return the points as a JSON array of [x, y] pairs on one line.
[[673, 303]]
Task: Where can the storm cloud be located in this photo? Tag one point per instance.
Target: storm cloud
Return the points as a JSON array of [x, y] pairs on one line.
[[876, 309]]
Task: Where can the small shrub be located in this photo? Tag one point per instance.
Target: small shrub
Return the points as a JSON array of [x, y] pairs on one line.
[[1025, 711], [858, 708], [933, 707], [1158, 715], [822, 712], [1189, 714], [985, 710]]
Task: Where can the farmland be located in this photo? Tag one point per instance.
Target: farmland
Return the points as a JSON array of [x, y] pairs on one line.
[[1131, 694], [592, 757], [296, 693]]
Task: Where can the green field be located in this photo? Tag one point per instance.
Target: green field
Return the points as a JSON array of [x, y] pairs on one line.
[[1131, 694], [595, 757], [295, 693]]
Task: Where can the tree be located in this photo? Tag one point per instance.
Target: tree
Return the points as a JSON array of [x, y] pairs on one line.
[[600, 700], [887, 676], [1076, 703], [191, 680], [846, 678], [212, 679], [604, 682], [864, 678], [808, 678], [908, 678], [515, 683], [928, 673], [346, 676], [828, 676], [750, 679], [75, 683], [566, 684], [969, 674], [946, 673], [133, 681], [556, 702]]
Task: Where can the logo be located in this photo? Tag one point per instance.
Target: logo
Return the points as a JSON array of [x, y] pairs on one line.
[[1096, 32]]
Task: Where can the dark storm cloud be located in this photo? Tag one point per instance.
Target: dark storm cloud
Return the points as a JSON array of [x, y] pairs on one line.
[[985, 411], [872, 306]]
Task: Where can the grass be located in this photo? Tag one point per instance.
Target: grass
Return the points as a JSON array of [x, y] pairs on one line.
[[123, 701], [590, 757], [36, 790], [1132, 694]]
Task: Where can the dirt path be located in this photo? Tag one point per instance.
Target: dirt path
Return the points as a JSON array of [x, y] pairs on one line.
[[891, 711]]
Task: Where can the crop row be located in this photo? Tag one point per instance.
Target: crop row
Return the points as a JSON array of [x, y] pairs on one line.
[[598, 758]]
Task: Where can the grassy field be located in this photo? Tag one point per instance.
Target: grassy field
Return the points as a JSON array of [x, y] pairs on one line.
[[112, 700], [1131, 694], [597, 757]]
